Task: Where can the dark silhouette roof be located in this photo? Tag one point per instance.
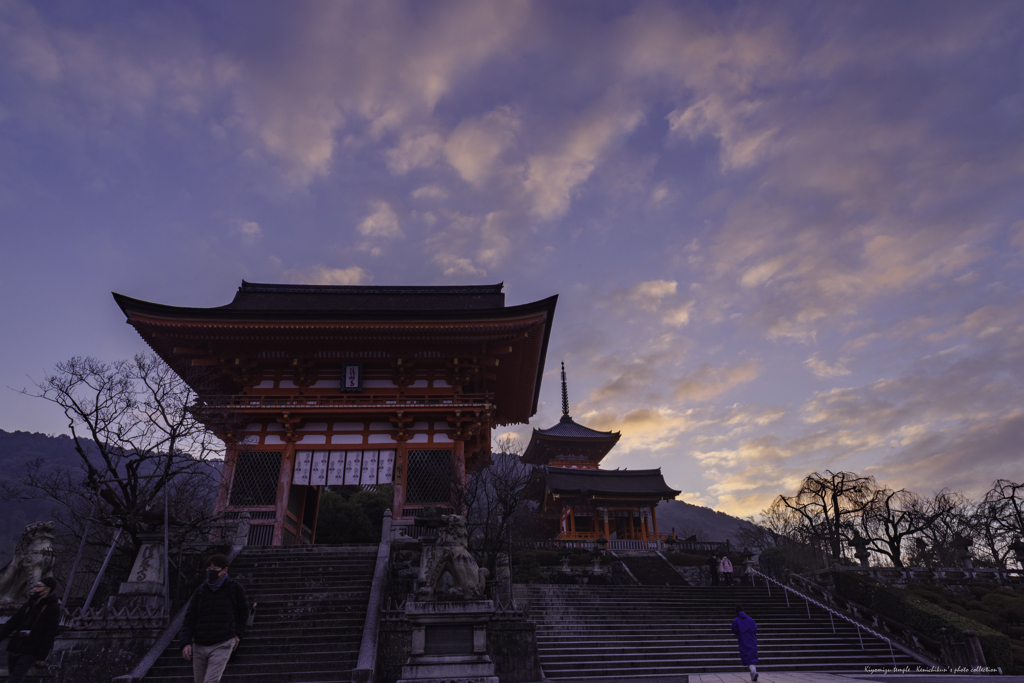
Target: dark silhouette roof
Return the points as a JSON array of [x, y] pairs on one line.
[[254, 296], [567, 428], [645, 483]]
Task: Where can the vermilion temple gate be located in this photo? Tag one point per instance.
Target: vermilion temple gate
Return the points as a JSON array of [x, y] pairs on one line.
[[350, 385]]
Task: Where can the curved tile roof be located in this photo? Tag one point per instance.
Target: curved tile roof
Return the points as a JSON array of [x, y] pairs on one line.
[[567, 428], [607, 482]]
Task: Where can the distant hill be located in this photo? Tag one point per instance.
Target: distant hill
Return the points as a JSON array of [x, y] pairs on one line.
[[688, 519], [17, 449]]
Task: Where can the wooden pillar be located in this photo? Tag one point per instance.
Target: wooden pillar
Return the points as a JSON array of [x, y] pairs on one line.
[[654, 520], [399, 481], [572, 519], [607, 534], [284, 484], [459, 465], [315, 492], [227, 476]]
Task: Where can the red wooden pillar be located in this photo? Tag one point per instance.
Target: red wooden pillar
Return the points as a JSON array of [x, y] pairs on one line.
[[400, 478], [284, 484], [227, 476], [654, 520]]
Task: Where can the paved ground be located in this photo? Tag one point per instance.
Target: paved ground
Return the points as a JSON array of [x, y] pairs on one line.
[[786, 677]]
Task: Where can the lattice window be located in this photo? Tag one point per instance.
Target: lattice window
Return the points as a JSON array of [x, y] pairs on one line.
[[256, 474], [430, 477]]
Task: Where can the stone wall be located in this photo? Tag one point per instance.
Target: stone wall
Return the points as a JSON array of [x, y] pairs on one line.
[[513, 647], [98, 656], [394, 643]]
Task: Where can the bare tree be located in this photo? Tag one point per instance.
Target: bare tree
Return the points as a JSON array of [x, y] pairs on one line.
[[136, 432], [775, 528], [827, 505], [892, 517], [494, 500], [936, 546], [999, 519]]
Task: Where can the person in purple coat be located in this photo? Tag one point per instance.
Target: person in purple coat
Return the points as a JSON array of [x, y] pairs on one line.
[[745, 630]]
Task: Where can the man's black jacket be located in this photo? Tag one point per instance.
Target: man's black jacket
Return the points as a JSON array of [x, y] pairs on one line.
[[214, 616], [41, 618]]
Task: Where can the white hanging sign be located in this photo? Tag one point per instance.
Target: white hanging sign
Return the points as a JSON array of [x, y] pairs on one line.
[[303, 460], [318, 469], [385, 467]]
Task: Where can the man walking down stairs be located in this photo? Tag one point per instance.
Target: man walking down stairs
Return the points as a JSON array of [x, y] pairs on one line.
[[310, 609]]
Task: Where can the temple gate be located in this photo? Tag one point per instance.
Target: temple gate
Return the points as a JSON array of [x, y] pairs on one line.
[[312, 386]]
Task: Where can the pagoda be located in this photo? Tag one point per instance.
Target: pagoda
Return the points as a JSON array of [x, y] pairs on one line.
[[589, 502], [314, 385]]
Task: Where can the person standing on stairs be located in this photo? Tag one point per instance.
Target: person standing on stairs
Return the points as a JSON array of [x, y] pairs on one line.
[[745, 630], [726, 568], [713, 566], [215, 622], [34, 628]]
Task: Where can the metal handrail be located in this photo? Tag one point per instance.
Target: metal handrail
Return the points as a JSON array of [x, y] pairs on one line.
[[831, 612]]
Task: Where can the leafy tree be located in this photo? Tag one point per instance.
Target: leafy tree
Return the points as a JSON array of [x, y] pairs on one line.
[[349, 514]]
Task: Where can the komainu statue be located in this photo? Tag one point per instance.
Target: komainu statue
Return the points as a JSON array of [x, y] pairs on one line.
[[451, 554], [33, 559]]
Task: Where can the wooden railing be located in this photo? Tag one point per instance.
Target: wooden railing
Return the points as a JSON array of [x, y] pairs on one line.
[[384, 401]]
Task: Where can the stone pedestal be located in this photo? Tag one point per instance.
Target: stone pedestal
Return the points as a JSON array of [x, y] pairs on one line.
[[449, 642]]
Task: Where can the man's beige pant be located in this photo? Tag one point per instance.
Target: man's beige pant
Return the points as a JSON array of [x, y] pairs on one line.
[[208, 661]]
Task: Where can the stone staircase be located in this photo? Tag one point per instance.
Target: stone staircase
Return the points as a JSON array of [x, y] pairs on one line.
[[627, 632], [311, 606], [652, 570]]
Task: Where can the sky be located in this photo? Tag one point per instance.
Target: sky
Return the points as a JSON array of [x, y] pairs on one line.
[[785, 236]]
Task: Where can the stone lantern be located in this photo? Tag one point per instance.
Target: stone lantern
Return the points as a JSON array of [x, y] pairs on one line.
[[962, 545], [860, 546], [565, 554]]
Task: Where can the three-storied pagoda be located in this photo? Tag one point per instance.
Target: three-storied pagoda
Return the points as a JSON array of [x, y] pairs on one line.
[[350, 385], [590, 502]]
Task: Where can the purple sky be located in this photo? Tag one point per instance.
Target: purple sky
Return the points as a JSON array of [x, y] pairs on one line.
[[785, 236]]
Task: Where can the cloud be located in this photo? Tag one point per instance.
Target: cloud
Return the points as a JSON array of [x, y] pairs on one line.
[[457, 267], [247, 231], [325, 275], [708, 382], [680, 315], [742, 146], [382, 223], [414, 151], [430, 192], [474, 146], [652, 429], [552, 178], [647, 295], [822, 369]]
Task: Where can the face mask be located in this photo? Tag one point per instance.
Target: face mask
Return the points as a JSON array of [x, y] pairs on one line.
[[213, 575]]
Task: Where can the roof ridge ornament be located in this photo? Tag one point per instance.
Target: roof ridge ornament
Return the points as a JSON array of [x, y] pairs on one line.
[[565, 394]]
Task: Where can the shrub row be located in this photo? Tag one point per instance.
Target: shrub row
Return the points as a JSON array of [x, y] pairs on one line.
[[919, 614]]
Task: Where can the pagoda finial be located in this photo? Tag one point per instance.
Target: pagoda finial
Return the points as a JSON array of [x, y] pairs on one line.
[[565, 393]]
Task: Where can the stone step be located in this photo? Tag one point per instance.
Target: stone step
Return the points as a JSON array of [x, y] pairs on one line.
[[616, 633], [311, 608]]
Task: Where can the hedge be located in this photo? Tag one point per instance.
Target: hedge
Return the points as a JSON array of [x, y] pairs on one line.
[[919, 614]]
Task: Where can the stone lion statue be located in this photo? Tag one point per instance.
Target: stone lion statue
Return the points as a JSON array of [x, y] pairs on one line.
[[33, 559], [451, 554]]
